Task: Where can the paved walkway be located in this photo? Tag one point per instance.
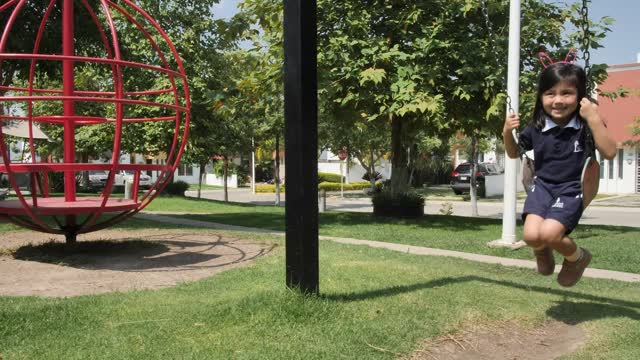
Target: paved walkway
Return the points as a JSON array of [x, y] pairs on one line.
[[417, 250]]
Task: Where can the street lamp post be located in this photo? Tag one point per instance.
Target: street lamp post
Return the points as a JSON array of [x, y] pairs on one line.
[[342, 155]]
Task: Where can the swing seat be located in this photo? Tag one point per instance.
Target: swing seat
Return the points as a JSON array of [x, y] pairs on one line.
[[590, 181]]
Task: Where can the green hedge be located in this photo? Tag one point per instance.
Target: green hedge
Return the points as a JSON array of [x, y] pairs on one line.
[[328, 186], [268, 188], [333, 186], [407, 205], [328, 177], [176, 188]]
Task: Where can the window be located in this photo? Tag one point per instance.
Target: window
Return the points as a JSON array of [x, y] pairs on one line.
[[620, 163], [611, 169], [185, 170]]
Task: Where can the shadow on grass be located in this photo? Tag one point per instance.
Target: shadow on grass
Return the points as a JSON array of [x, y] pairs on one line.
[[82, 253], [576, 312], [169, 252], [593, 307]]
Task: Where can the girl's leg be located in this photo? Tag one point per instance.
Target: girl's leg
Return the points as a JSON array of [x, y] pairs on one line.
[[532, 226], [533, 238], [552, 233], [576, 259]]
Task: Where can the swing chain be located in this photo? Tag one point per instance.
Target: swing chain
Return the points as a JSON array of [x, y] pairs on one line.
[[492, 39], [586, 43]]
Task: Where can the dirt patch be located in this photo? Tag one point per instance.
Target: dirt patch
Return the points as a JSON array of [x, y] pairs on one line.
[[175, 256], [505, 341]]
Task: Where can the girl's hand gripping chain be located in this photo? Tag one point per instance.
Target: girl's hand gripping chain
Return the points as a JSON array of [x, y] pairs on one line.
[[589, 111], [512, 122]]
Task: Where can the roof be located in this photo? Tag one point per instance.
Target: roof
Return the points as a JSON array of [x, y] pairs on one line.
[[621, 113], [21, 129]]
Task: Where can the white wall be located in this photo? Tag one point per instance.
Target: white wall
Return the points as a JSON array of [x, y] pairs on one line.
[[356, 171], [232, 181], [615, 185]]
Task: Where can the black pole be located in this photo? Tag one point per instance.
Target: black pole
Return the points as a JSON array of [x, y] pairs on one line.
[[301, 143]]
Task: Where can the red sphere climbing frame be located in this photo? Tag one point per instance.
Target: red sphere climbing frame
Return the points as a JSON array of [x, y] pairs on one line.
[[120, 108]]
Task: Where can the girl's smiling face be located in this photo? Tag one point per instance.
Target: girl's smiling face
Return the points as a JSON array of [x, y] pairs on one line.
[[560, 102]]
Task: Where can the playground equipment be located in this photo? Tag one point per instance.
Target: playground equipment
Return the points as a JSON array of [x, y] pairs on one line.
[[105, 101]]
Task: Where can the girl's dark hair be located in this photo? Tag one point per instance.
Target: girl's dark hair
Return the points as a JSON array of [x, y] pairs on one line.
[[552, 75]]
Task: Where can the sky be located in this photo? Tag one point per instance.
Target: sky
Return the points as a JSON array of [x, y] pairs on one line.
[[621, 45]]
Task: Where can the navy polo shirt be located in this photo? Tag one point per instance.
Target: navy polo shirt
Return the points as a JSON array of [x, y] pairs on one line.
[[558, 151]]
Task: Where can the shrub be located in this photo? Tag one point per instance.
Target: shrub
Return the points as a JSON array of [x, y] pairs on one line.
[[376, 176], [409, 204], [328, 177], [268, 188], [176, 188], [333, 186]]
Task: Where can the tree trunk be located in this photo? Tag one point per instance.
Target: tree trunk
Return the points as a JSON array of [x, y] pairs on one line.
[[472, 180], [277, 170], [372, 170], [347, 170], [226, 173], [399, 171], [85, 174], [202, 175]]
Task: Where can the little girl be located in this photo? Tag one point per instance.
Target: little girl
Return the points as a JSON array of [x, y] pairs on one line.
[[556, 135]]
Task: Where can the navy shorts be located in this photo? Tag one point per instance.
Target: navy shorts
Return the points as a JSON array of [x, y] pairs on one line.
[[561, 202]]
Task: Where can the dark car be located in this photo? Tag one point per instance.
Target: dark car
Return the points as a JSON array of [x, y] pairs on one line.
[[461, 177]]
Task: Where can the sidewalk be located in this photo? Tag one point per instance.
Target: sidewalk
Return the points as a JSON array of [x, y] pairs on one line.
[[416, 250]]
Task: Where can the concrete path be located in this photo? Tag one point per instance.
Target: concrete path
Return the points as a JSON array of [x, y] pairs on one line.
[[618, 211], [417, 250]]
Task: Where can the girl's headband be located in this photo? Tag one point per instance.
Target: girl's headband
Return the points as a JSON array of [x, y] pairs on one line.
[[571, 57]]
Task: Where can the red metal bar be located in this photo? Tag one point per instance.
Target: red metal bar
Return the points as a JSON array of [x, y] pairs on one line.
[[62, 167], [118, 100], [6, 5], [85, 92], [136, 183], [84, 120], [68, 79], [155, 68]]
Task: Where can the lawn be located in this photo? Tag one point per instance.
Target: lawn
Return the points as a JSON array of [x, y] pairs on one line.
[[614, 247], [374, 304]]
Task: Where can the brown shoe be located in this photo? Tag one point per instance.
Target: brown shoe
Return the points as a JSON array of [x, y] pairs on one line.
[[572, 271], [544, 259]]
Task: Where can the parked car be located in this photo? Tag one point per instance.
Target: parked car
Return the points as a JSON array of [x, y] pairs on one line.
[[461, 177], [144, 182], [98, 179]]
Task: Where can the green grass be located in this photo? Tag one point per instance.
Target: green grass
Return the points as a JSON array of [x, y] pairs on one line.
[[614, 247], [369, 298]]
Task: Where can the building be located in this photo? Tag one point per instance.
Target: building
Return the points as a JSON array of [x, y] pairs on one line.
[[621, 175]]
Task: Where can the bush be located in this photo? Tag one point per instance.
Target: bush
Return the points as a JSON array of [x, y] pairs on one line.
[[376, 176], [409, 204], [328, 177], [333, 186], [268, 188], [176, 188]]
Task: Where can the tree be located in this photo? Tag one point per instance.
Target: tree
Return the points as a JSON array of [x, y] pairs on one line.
[[262, 84]]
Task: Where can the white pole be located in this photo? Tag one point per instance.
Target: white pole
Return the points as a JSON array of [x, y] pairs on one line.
[[341, 181], [253, 167], [513, 90]]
